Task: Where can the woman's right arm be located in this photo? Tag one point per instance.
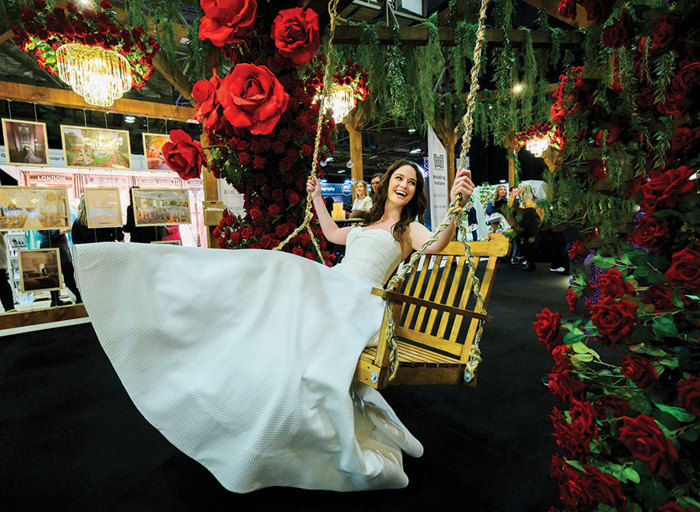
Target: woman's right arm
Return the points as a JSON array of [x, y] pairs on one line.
[[330, 229]]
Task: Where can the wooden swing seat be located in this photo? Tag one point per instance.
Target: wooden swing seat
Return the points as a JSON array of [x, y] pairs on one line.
[[433, 342]]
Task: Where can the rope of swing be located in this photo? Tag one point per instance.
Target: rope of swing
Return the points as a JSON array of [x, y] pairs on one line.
[[308, 215], [455, 211]]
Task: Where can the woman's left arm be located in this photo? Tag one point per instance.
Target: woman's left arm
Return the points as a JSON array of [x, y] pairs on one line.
[[420, 234]]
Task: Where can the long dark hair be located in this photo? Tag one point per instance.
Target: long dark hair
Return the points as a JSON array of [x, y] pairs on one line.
[[414, 208]]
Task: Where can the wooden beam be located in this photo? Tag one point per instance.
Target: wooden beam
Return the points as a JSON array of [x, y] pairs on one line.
[[41, 316], [6, 35], [418, 36], [581, 21], [69, 99], [173, 76]]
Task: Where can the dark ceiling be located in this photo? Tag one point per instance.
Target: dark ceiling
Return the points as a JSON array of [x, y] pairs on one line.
[[382, 142]]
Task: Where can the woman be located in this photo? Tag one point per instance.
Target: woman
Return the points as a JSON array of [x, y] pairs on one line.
[[82, 234], [362, 203], [499, 199], [244, 359]]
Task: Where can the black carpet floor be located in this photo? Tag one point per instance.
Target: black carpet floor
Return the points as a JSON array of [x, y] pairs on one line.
[[70, 439]]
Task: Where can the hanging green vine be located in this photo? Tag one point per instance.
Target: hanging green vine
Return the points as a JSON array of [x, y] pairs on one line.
[[398, 91], [427, 78], [198, 49]]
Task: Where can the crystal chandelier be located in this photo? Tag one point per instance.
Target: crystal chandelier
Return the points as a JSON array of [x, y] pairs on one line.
[[340, 100], [100, 76], [104, 143], [537, 146]]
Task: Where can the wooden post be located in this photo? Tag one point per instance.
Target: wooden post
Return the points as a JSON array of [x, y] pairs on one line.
[[355, 122], [448, 137]]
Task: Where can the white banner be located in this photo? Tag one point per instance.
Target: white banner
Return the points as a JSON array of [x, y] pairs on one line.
[[439, 193], [232, 199]]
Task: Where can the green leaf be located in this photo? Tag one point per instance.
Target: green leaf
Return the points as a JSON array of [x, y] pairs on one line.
[[603, 261], [653, 492], [688, 502], [677, 412], [655, 277], [584, 358], [691, 434], [633, 507], [664, 326], [677, 298], [639, 403], [575, 464], [631, 475], [639, 257], [602, 507], [571, 338], [669, 362], [640, 334]]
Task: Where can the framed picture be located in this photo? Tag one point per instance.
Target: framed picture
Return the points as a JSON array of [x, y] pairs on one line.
[[96, 148], [24, 208], [40, 269], [168, 242], [161, 206], [104, 208], [25, 142], [153, 151]]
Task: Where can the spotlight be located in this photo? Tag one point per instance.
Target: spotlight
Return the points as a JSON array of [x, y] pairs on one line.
[[415, 151], [329, 159], [518, 88], [129, 119], [411, 130]]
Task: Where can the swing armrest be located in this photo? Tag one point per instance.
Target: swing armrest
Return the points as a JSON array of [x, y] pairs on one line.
[[400, 297]]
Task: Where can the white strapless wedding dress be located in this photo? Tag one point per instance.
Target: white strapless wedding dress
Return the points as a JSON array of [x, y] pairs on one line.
[[244, 359]]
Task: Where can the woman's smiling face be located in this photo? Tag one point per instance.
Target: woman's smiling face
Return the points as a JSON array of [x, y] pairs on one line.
[[402, 185]]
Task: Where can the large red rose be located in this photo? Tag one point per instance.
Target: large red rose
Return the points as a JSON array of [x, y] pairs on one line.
[[576, 250], [603, 488], [685, 269], [639, 370], [685, 141], [565, 387], [664, 30], [571, 299], [567, 9], [547, 328], [227, 21], [253, 98], [664, 189], [208, 106], [609, 404], [613, 284], [184, 155], [645, 441], [658, 295], [651, 232], [614, 320], [296, 35], [575, 435], [689, 394], [597, 11], [619, 33]]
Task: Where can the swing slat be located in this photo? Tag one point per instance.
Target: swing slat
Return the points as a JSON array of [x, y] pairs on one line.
[[425, 358]]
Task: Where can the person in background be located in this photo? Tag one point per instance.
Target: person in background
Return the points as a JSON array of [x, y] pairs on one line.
[[142, 235], [82, 234], [362, 204], [514, 202], [529, 236], [375, 183], [55, 238], [471, 221], [6, 297], [499, 199]]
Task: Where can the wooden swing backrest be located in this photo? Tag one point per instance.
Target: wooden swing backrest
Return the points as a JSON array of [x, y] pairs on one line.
[[436, 313]]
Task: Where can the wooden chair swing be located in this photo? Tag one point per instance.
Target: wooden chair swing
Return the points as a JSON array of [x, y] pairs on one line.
[[423, 337]]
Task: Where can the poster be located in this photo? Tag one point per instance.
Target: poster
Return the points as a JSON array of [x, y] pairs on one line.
[[153, 151], [161, 206], [103, 207], [24, 208], [96, 148], [25, 142], [439, 193], [40, 269]]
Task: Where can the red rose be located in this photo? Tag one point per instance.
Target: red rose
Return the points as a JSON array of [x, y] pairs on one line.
[[689, 394], [258, 162], [296, 36], [564, 387], [547, 328], [575, 435], [685, 269], [298, 251], [613, 284], [597, 11], [571, 299], [567, 9], [577, 250], [243, 158], [680, 92], [685, 141], [561, 359], [602, 487], [278, 147], [619, 33], [658, 295], [664, 189], [105, 4], [664, 30], [673, 507], [646, 443], [227, 21], [184, 155], [283, 230], [266, 242], [614, 320], [277, 195], [598, 170], [259, 179], [639, 370], [208, 107], [273, 210], [609, 404], [651, 232], [252, 98], [293, 197], [39, 5], [236, 237], [246, 233]]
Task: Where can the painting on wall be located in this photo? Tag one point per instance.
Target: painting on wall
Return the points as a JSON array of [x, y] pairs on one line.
[[24, 208], [40, 270], [153, 151], [96, 148], [25, 142], [161, 206], [104, 209]]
